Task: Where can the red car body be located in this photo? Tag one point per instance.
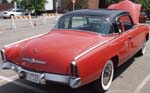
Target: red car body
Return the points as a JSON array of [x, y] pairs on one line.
[[76, 56]]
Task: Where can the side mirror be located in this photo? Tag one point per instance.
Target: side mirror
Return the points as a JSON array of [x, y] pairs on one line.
[[120, 26]]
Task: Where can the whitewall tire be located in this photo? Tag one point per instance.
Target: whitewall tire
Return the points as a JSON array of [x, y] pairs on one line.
[[104, 82]]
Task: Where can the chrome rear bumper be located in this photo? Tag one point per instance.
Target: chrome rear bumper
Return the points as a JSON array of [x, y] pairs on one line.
[[72, 82]]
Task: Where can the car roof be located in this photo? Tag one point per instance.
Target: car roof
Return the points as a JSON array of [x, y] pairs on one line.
[[103, 13]]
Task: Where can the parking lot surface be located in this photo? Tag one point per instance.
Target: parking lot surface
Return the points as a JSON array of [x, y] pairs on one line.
[[131, 77]]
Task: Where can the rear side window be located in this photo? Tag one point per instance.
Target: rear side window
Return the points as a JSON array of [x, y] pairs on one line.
[[84, 23], [78, 21], [18, 10], [125, 19]]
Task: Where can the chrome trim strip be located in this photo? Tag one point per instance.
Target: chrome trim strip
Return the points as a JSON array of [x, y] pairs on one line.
[[87, 51], [33, 61]]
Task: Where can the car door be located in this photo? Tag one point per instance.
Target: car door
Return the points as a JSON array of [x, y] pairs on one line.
[[135, 35], [125, 38], [18, 12], [125, 48], [23, 12]]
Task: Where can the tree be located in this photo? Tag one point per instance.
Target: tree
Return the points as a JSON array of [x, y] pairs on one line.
[[37, 5], [18, 2], [81, 4], [145, 4]]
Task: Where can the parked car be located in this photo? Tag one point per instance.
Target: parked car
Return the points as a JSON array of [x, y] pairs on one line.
[[147, 13], [14, 12], [0, 14], [85, 46], [142, 18]]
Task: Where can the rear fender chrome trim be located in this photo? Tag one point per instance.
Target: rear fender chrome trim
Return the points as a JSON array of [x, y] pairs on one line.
[[87, 51]]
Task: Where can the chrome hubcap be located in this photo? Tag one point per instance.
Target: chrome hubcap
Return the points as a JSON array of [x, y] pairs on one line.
[[107, 74]]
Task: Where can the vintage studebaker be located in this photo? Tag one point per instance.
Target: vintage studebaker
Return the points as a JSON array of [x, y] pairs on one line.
[[85, 46]]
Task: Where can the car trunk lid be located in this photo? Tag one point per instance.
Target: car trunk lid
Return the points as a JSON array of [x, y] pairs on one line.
[[54, 51]]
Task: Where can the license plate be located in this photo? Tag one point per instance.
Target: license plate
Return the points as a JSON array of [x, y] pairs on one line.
[[33, 77]]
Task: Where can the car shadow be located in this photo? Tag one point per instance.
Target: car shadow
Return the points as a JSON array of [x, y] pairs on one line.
[[66, 89], [123, 67], [13, 87]]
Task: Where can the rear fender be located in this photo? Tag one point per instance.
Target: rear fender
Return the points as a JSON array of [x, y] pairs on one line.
[[91, 65]]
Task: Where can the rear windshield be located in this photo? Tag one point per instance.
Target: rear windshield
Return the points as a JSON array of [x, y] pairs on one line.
[[92, 24]]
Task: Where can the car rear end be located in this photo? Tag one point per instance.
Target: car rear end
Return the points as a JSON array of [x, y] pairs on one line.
[[6, 14], [41, 77], [48, 61]]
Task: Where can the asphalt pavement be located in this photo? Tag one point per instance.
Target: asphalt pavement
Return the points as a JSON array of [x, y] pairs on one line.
[[131, 77]]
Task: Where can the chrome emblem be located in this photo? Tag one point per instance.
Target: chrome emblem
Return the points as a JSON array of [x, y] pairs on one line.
[[33, 61]]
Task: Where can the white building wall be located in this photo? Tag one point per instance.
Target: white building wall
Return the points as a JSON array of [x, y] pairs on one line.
[[49, 5]]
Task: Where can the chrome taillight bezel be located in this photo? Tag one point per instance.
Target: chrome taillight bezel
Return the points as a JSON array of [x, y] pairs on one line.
[[73, 70], [3, 55]]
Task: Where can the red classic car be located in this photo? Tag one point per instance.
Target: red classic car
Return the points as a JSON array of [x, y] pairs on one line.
[[85, 46]]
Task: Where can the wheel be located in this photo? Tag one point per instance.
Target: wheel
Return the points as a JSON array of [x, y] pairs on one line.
[[4, 17], [11, 15], [104, 82], [142, 51]]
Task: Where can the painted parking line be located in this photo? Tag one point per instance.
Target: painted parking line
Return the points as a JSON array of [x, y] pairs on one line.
[[142, 84], [10, 80], [1, 81], [120, 91], [12, 77]]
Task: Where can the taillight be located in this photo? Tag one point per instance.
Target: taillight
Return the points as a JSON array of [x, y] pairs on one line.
[[73, 70]]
